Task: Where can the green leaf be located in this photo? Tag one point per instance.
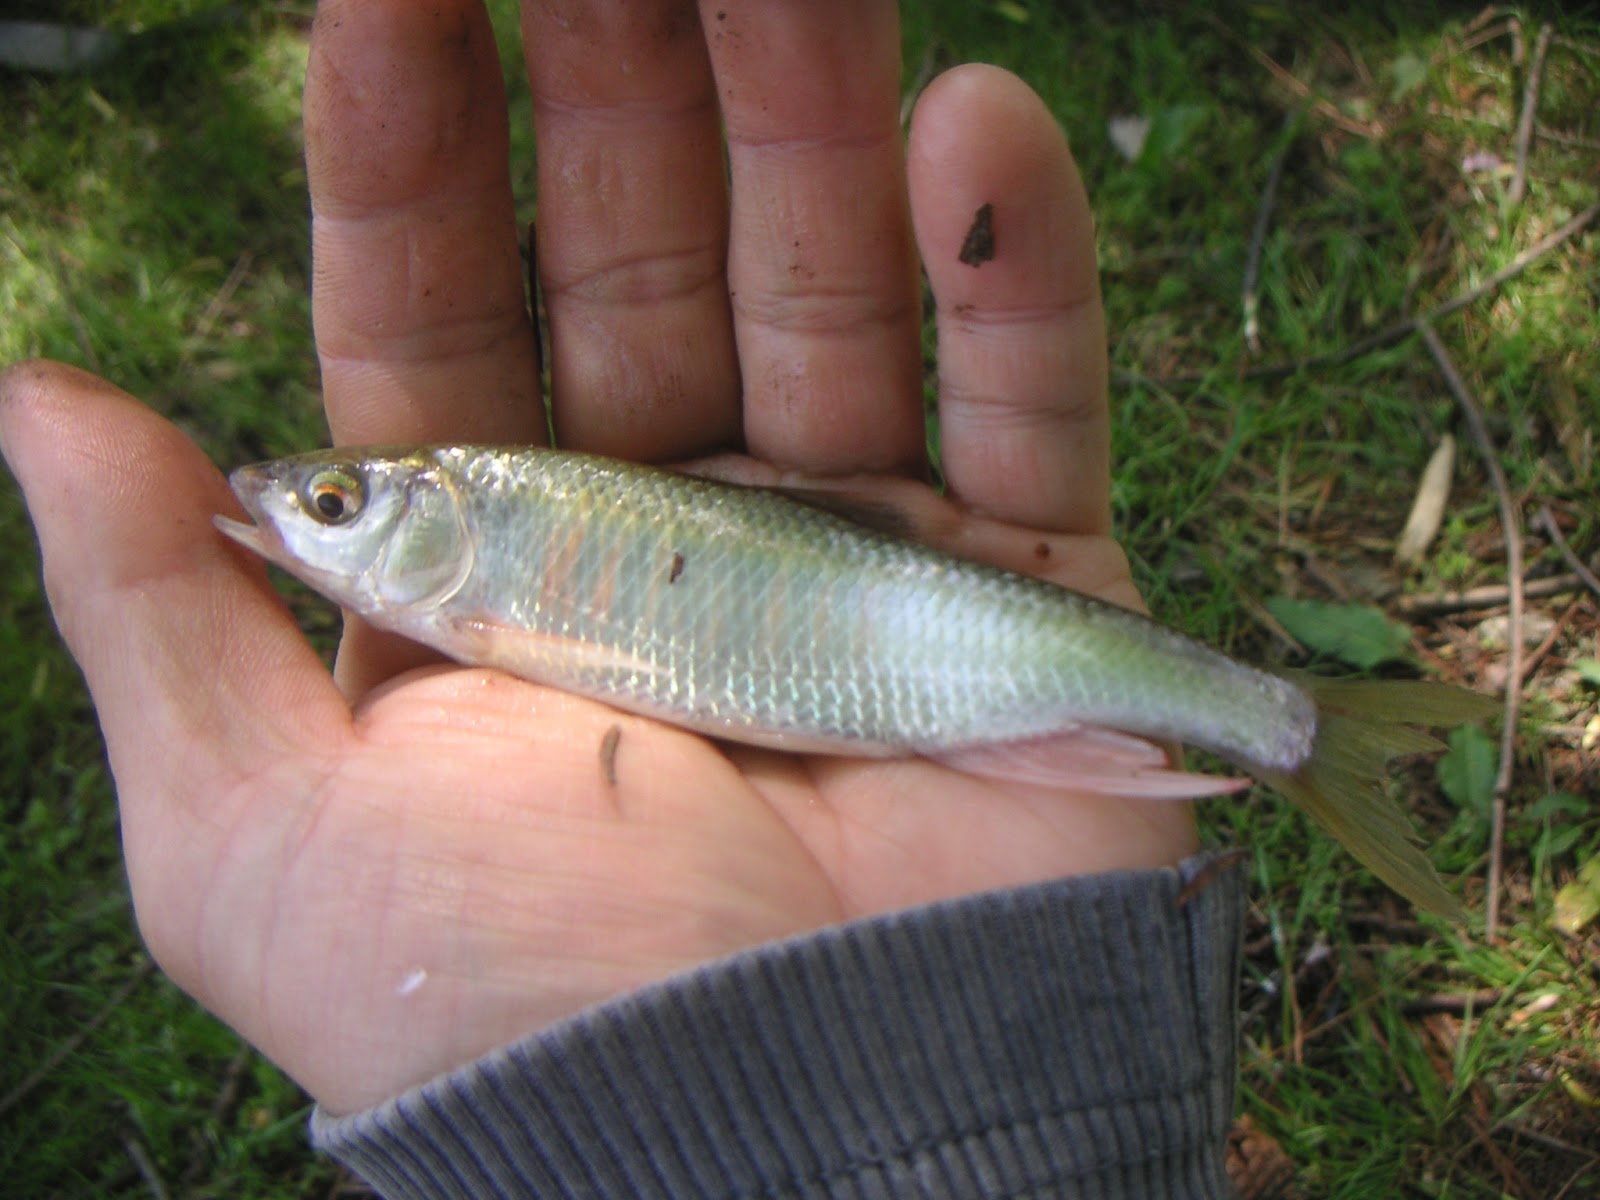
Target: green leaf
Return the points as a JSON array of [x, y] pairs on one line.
[[1171, 131], [1578, 902], [1560, 821], [1589, 671], [1467, 773], [1407, 73], [1557, 804], [1352, 633]]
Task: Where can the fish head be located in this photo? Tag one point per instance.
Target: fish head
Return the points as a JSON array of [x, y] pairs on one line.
[[374, 531]]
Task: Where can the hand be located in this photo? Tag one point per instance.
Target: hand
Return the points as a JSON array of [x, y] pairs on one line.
[[378, 879]]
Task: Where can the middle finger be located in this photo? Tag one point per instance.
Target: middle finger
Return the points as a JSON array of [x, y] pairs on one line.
[[822, 269], [632, 228]]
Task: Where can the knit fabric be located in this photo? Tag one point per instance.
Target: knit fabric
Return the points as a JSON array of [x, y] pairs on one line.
[[1069, 1039]]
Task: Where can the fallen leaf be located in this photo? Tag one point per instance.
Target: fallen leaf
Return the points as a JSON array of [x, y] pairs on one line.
[[1407, 73], [1257, 1165], [1494, 633], [1128, 134], [1578, 902], [1427, 510], [1352, 633]]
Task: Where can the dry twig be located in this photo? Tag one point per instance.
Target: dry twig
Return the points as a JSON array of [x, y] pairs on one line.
[[1490, 596], [1400, 329], [1562, 138], [230, 285], [1515, 1129], [1548, 522], [1513, 538], [1591, 48], [1456, 1004], [1258, 235], [1321, 106], [146, 1167], [1530, 664], [222, 1106], [1530, 101], [1479, 31], [69, 1047]]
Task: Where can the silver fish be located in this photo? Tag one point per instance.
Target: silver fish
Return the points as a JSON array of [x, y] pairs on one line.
[[747, 614]]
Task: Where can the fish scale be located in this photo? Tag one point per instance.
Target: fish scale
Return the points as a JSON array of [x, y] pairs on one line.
[[748, 614], [791, 621]]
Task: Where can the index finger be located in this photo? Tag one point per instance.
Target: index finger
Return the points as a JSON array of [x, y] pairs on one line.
[[633, 228], [821, 268], [200, 677], [418, 298]]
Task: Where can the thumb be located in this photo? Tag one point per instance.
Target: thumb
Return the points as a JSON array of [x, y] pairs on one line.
[[198, 673]]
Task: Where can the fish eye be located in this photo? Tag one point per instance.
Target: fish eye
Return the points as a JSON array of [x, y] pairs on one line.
[[333, 496]]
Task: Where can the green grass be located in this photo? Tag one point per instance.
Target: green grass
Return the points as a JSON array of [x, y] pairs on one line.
[[152, 228]]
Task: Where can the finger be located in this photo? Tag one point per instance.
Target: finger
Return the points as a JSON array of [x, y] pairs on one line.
[[632, 229], [1024, 426], [199, 675], [821, 266], [421, 320], [1090, 563]]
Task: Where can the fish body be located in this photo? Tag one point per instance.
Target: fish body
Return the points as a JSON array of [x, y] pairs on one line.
[[747, 614]]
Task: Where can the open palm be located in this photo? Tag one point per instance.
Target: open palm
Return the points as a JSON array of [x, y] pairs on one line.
[[380, 875]]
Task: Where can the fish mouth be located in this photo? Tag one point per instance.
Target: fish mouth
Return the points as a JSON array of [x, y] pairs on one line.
[[249, 484], [247, 535]]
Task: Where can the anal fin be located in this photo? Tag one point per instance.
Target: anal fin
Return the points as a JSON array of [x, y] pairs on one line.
[[1087, 759]]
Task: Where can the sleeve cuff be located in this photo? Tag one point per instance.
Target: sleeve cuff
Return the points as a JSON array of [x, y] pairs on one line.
[[1076, 1035]]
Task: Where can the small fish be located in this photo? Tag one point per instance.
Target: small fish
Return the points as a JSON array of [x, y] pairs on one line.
[[799, 628]]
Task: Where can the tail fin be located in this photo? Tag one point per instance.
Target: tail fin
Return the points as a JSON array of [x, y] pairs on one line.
[[1361, 725]]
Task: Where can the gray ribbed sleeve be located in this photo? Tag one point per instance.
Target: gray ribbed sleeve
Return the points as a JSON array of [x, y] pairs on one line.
[[1074, 1038]]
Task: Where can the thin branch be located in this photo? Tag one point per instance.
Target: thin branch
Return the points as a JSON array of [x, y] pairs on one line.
[[1541, 1138], [1547, 520], [1513, 538], [1530, 102], [230, 285], [1480, 31], [1562, 138], [1490, 596], [1580, 47], [1530, 664], [147, 1169], [69, 1047], [1318, 104], [1400, 329], [222, 1106], [1544, 133], [1456, 1004], [1258, 235], [1511, 270]]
